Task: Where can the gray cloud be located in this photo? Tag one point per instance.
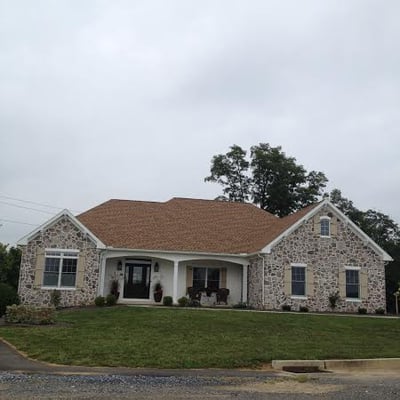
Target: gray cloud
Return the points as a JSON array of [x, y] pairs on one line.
[[108, 99]]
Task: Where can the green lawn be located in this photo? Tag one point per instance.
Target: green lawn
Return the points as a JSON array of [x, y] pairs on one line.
[[192, 338]]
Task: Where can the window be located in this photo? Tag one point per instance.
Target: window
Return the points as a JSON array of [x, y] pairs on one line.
[[298, 281], [352, 283], [60, 268], [325, 226], [206, 278]]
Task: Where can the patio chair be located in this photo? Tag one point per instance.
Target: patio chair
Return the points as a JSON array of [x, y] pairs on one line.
[[222, 296]]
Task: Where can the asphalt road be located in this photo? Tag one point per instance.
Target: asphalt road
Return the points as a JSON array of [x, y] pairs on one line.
[[300, 387]]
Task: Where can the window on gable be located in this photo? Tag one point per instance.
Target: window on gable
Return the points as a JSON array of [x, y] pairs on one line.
[[206, 278], [325, 226], [60, 269], [298, 281], [352, 283]]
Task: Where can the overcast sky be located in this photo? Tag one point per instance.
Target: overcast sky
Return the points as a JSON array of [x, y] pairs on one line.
[[131, 99]]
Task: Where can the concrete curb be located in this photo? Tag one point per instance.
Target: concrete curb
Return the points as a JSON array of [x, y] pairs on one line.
[[383, 364]]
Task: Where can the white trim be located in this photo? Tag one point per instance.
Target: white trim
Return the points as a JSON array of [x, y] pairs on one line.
[[297, 297], [353, 300], [58, 288], [385, 256], [325, 218], [298, 265], [352, 268], [54, 249], [64, 213]]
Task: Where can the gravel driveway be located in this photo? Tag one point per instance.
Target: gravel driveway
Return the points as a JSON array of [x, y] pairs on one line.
[[312, 386]]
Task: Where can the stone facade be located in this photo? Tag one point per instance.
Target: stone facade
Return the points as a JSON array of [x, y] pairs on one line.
[[325, 258], [63, 234]]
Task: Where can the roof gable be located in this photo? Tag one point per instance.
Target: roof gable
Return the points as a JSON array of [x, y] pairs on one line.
[[64, 213], [309, 212]]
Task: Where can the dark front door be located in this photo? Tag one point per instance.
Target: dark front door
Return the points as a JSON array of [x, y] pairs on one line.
[[137, 281]]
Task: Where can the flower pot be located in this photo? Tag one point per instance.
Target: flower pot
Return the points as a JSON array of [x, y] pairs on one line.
[[158, 296]]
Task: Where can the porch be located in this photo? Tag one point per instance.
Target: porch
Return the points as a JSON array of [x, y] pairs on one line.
[[138, 273]]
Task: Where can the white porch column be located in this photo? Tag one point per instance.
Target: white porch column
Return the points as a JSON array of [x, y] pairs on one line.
[[244, 283], [100, 289], [175, 283]]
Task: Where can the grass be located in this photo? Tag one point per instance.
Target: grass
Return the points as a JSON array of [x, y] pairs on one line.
[[190, 338]]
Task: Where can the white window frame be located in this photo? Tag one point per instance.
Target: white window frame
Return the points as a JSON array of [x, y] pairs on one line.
[[296, 296], [61, 257], [206, 279], [353, 299], [325, 218]]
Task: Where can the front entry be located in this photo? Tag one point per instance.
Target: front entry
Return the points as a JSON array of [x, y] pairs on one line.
[[137, 280]]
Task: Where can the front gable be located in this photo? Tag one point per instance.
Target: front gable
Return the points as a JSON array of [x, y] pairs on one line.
[[326, 211]]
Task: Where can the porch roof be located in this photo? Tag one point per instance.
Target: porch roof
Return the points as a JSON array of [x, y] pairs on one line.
[[180, 224]]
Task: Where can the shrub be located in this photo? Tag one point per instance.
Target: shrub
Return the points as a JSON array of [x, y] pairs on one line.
[[286, 307], [30, 315], [55, 298], [111, 300], [183, 301], [167, 301], [380, 311], [240, 305], [333, 300], [303, 309], [362, 310], [8, 296], [194, 303], [100, 301]]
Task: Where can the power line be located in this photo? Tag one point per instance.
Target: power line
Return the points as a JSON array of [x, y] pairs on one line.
[[26, 208], [17, 222], [35, 203]]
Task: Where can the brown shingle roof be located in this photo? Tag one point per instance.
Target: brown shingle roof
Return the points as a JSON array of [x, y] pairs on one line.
[[186, 225]]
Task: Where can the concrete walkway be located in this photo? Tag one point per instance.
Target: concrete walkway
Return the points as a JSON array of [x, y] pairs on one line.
[[13, 361]]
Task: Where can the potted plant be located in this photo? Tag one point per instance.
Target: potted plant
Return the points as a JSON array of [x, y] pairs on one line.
[[114, 289], [158, 292]]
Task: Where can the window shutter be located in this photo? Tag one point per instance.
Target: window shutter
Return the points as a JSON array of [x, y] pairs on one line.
[[309, 281], [288, 280], [39, 268], [342, 282], [189, 276], [317, 226], [223, 278], [363, 285], [334, 223], [80, 273]]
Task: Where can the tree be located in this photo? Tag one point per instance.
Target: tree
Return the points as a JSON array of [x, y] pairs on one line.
[[383, 230], [275, 182], [10, 260], [230, 170]]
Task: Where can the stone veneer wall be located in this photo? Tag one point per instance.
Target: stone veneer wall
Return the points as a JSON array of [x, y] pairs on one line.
[[325, 257], [62, 235]]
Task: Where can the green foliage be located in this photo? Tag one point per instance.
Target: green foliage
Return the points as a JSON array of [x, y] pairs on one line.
[[380, 311], [240, 305], [183, 301], [333, 300], [303, 309], [111, 300], [8, 296], [275, 182], [280, 185], [230, 171], [167, 301], [30, 315], [100, 301], [10, 260], [55, 298], [362, 310], [286, 307]]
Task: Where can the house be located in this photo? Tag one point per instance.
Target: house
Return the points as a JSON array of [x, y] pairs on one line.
[[263, 260]]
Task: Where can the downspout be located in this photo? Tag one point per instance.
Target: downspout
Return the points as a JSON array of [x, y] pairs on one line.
[[262, 279]]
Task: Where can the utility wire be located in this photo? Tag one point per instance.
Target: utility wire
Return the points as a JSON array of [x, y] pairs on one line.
[[17, 222], [26, 208], [34, 202]]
